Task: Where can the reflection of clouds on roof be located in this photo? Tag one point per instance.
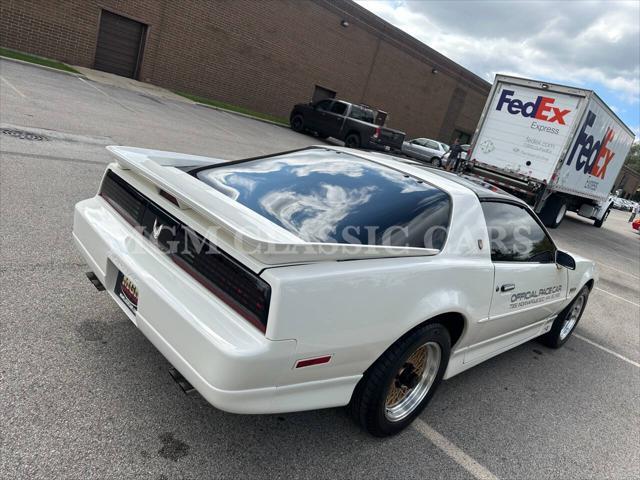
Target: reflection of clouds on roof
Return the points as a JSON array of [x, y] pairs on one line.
[[317, 194], [314, 216]]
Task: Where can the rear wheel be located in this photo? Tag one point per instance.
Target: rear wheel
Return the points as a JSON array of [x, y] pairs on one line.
[[352, 141], [297, 123], [566, 322], [553, 211], [398, 386]]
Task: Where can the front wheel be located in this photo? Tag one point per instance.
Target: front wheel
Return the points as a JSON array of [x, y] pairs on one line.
[[436, 162], [297, 123], [566, 322], [398, 386], [598, 223]]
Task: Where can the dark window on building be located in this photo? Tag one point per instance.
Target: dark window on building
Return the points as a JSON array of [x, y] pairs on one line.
[[464, 137], [320, 93], [339, 108], [515, 235], [362, 113]]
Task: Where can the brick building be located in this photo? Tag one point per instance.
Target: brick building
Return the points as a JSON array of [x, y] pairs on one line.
[[265, 55], [628, 183]]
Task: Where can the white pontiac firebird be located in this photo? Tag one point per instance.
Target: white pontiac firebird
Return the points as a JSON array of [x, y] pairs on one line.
[[325, 276]]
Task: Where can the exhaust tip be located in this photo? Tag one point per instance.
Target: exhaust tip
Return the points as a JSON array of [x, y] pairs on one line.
[[182, 382], [95, 281]]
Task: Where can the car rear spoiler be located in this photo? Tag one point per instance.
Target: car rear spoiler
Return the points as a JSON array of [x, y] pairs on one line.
[[254, 234]]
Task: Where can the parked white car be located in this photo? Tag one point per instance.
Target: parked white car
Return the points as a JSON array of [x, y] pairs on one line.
[[425, 149], [323, 277]]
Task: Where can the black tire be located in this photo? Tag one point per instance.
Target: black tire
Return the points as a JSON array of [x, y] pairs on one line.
[[352, 140], [598, 223], [553, 211], [436, 162], [368, 402], [555, 337], [297, 123]]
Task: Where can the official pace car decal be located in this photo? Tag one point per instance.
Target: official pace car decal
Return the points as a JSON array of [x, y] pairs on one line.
[[531, 297]]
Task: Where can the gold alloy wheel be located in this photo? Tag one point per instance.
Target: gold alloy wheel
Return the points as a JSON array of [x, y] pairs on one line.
[[413, 381]]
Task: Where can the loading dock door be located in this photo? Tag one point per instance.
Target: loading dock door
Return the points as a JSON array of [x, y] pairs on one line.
[[120, 43]]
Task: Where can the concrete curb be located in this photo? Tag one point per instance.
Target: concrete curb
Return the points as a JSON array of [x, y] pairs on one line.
[[24, 62], [221, 109]]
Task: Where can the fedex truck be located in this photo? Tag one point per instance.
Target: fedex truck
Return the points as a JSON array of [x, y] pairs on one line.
[[560, 148]]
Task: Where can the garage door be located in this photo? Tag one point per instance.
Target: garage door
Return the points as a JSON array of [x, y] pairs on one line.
[[120, 42]]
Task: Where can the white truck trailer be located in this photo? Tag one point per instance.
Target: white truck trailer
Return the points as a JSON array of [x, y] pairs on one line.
[[560, 148]]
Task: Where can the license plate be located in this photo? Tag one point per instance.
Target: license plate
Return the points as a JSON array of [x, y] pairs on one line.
[[127, 292]]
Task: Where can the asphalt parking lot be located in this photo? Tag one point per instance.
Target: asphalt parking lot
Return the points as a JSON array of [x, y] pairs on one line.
[[85, 395]]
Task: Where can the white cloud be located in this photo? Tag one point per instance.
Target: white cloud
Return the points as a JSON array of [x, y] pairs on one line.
[[574, 42]]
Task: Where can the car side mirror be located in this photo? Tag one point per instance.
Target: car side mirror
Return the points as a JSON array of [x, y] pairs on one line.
[[563, 259]]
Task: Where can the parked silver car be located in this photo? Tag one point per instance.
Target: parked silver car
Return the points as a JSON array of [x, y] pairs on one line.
[[425, 149]]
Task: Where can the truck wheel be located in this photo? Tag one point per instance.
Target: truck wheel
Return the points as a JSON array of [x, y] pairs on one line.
[[352, 141], [297, 123], [565, 323], [553, 211], [397, 387], [598, 223]]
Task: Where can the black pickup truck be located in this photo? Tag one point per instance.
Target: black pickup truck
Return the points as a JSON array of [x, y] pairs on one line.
[[351, 123]]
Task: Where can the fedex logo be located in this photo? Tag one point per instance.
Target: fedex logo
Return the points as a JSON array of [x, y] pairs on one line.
[[541, 109], [593, 157]]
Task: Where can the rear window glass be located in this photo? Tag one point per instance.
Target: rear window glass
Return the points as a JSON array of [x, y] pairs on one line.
[[324, 196], [361, 113]]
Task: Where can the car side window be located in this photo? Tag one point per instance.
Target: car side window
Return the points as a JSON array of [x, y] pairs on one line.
[[323, 105], [339, 108], [515, 235], [432, 145]]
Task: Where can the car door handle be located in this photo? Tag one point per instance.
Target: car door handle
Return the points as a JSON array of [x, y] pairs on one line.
[[507, 287]]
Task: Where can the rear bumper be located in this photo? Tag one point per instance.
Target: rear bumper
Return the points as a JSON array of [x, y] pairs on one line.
[[232, 364], [380, 144]]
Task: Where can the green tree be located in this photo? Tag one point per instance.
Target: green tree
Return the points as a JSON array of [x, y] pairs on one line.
[[633, 159]]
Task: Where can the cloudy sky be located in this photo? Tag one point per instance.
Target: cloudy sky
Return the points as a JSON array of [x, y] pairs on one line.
[[594, 44]]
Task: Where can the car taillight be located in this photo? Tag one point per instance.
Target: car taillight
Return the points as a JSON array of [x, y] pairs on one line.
[[169, 197], [377, 133], [233, 283]]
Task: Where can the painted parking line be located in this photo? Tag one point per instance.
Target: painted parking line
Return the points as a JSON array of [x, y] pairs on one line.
[[618, 297], [615, 354], [465, 461], [600, 264], [105, 94], [12, 86]]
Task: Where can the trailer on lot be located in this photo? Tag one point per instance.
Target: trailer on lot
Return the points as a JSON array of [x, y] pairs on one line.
[[560, 148]]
